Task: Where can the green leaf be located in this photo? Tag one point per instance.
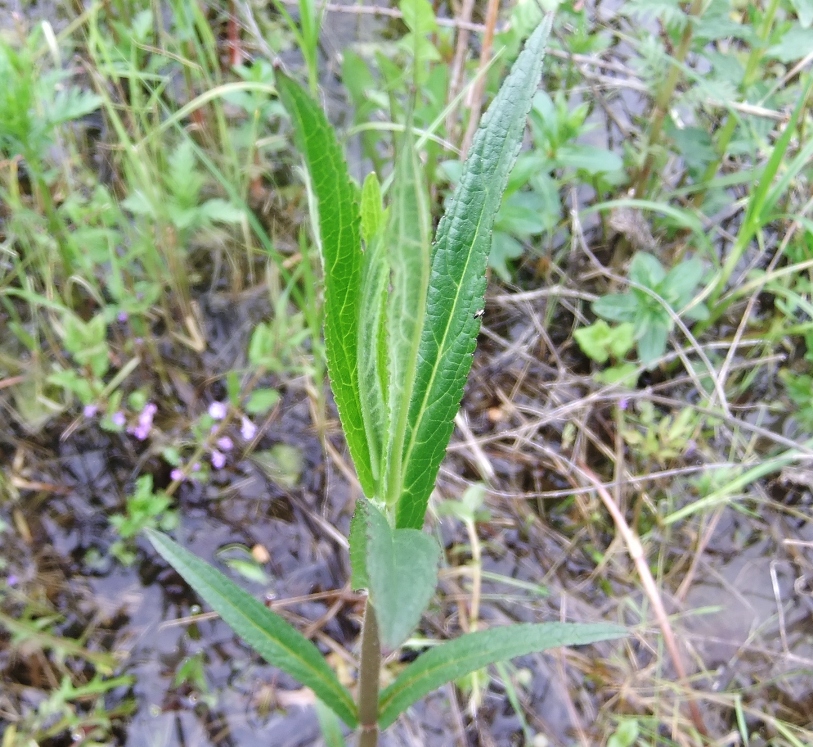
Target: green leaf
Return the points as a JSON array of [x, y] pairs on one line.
[[652, 343], [408, 239], [679, 284], [646, 270], [329, 726], [268, 634], [418, 16], [282, 464], [358, 547], [473, 651], [373, 375], [72, 103], [222, 211], [339, 227], [503, 248], [804, 12], [794, 45], [616, 307], [372, 210], [625, 374], [599, 341], [589, 158], [261, 400], [457, 281], [625, 735], [402, 565]]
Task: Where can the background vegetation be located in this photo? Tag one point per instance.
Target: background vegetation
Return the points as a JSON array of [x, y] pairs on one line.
[[634, 442]]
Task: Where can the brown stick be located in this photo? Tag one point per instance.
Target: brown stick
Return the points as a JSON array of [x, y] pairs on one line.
[[636, 552], [456, 77], [492, 11]]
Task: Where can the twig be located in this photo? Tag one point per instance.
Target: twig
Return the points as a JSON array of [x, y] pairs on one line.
[[636, 552], [479, 87], [371, 10], [456, 76]]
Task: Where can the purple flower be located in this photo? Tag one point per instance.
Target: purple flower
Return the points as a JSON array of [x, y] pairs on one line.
[[247, 429], [224, 443], [218, 410], [196, 467], [12, 580], [218, 459], [90, 411], [177, 475], [623, 403], [122, 316], [142, 430], [118, 419]]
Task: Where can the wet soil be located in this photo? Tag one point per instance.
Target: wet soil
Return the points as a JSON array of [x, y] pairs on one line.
[[745, 622]]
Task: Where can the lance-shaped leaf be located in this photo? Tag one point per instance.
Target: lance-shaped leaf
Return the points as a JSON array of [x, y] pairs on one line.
[[474, 651], [408, 238], [268, 634], [372, 357], [457, 280], [340, 242]]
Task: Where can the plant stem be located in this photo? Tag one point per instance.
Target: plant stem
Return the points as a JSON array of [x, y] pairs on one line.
[[369, 672], [663, 100]]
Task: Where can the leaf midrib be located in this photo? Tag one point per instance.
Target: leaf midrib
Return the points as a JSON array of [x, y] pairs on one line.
[[442, 347]]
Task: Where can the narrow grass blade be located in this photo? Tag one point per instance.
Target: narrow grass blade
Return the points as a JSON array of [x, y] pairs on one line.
[[339, 226], [728, 492], [477, 650], [457, 281], [762, 196], [268, 634], [408, 238]]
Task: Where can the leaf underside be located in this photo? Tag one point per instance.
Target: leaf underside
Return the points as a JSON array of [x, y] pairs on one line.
[[474, 651], [457, 281], [267, 633], [340, 234]]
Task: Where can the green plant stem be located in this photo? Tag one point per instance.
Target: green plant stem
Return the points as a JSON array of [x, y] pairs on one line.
[[748, 79], [369, 673], [664, 98]]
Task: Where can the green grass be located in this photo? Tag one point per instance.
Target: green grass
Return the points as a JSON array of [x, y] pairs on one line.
[[149, 186]]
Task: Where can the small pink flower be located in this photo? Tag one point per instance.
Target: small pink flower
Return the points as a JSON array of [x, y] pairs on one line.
[[90, 411], [177, 475], [247, 429], [196, 467], [118, 419], [224, 443], [122, 316], [142, 430], [218, 410], [218, 459]]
